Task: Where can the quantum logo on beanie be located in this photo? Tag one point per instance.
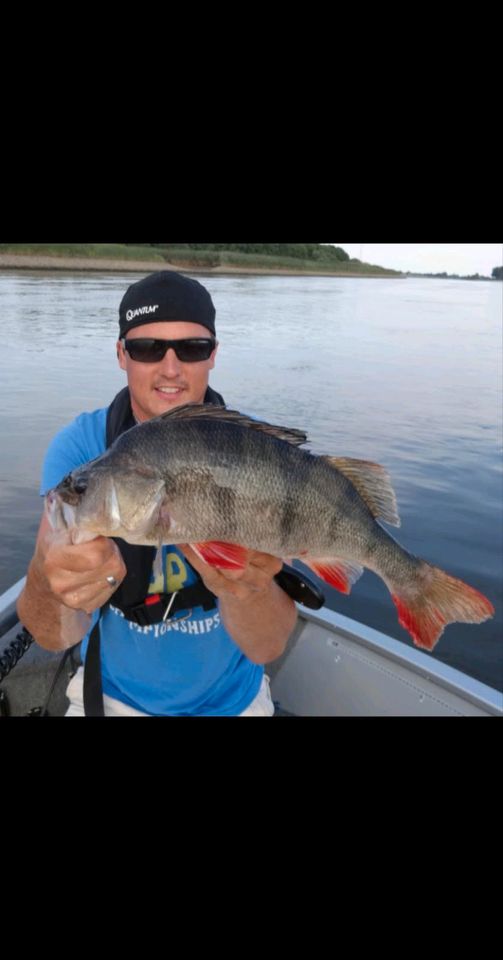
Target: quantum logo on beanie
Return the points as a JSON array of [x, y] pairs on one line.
[[131, 314]]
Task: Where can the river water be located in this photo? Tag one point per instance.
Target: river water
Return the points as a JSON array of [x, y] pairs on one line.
[[404, 372]]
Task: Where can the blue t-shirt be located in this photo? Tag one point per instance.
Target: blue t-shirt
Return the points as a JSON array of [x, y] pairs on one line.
[[190, 667]]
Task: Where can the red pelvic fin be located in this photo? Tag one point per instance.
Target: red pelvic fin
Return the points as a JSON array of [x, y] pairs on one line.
[[227, 556]]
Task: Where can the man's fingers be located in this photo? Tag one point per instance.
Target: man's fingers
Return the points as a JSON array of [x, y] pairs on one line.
[[193, 558], [82, 557], [87, 598], [254, 578], [77, 575], [266, 561], [208, 573]]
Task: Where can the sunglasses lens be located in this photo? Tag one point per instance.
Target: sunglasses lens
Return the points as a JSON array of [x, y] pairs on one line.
[[192, 351], [145, 350]]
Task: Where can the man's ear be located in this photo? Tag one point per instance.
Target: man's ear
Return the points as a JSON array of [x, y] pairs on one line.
[[213, 356], [120, 355]]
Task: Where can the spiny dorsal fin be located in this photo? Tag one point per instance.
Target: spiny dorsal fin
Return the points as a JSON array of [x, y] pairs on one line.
[[212, 411], [373, 484]]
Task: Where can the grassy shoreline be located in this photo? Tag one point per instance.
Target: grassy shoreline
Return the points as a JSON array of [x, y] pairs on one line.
[[32, 261]]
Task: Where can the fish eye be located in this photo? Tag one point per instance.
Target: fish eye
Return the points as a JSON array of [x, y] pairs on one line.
[[80, 485]]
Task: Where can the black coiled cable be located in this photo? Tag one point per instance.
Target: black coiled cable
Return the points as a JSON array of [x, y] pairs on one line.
[[13, 653]]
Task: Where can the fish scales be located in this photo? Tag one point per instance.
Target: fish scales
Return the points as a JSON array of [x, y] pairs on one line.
[[252, 488]]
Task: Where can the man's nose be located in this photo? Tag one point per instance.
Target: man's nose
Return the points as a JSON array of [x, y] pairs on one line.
[[170, 363]]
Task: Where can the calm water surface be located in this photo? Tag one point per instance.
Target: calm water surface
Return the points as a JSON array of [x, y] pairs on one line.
[[405, 372]]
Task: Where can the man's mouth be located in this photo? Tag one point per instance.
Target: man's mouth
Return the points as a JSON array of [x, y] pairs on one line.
[[169, 391]]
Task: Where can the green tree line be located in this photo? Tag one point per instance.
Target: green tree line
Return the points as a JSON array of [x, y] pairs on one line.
[[301, 251]]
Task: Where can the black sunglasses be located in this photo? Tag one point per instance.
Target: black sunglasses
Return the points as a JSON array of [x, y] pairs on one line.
[[190, 350]]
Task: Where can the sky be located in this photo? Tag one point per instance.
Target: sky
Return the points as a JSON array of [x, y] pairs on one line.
[[462, 258]]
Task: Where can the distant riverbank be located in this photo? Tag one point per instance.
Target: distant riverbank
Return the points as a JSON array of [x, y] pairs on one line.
[[17, 261]]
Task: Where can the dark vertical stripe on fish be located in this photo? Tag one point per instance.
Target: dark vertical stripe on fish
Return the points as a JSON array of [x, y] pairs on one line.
[[225, 503], [333, 528], [290, 499], [288, 520]]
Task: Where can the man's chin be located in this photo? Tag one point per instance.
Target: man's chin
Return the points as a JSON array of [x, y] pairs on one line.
[[159, 403], [168, 401]]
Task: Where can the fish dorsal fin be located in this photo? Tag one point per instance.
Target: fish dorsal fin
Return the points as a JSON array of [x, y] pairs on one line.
[[212, 411], [373, 484]]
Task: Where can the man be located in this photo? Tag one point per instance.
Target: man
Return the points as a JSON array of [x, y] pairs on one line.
[[204, 654]]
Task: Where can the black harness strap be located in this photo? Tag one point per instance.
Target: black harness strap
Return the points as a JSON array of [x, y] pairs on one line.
[[93, 690], [154, 607]]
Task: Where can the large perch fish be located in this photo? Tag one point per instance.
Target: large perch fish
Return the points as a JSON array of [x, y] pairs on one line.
[[220, 481]]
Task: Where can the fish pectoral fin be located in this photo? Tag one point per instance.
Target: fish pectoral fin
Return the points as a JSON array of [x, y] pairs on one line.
[[227, 556], [373, 483], [340, 574]]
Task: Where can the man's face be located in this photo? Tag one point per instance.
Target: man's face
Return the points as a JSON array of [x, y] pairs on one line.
[[158, 387]]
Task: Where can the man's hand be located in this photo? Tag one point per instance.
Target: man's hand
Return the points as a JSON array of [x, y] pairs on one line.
[[256, 612], [65, 583], [255, 578], [76, 574]]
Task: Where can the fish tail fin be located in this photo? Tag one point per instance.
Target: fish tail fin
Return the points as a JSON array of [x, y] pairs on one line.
[[432, 600]]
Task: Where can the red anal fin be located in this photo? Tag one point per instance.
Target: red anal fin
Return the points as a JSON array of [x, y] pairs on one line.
[[338, 573], [227, 556]]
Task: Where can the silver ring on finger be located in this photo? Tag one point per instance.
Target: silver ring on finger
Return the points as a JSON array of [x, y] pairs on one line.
[[112, 581]]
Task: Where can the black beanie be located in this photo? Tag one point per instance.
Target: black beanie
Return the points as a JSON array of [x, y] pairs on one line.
[[166, 296]]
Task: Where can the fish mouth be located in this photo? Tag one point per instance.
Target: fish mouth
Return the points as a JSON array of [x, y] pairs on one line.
[[61, 515]]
